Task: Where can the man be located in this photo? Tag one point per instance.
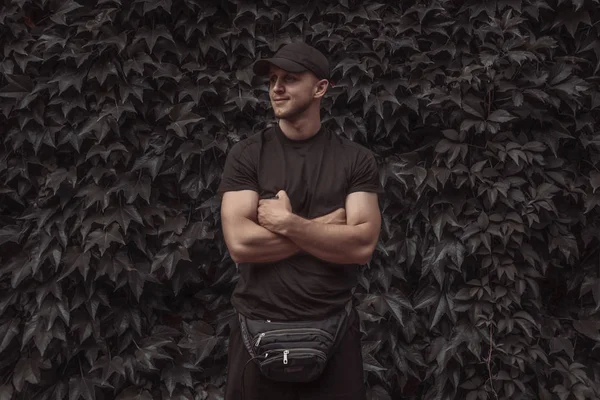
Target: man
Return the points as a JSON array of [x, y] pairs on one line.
[[299, 214]]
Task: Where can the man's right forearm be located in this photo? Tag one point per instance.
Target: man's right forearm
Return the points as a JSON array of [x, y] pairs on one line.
[[255, 244]]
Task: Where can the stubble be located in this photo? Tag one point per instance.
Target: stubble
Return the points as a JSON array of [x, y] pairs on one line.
[[293, 112]]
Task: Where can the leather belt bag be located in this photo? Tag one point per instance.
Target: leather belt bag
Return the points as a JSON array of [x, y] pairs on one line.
[[295, 351]]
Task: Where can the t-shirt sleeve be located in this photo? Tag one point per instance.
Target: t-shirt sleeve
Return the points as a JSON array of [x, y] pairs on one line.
[[365, 174], [239, 172]]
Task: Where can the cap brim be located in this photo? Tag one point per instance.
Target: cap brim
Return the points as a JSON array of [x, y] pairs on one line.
[[261, 67]]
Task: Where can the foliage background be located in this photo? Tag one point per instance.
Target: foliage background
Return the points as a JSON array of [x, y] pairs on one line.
[[116, 117]]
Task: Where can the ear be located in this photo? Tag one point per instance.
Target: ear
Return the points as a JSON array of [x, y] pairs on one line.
[[321, 86]]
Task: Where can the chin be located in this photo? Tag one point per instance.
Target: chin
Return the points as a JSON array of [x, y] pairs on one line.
[[285, 116], [289, 113], [281, 114]]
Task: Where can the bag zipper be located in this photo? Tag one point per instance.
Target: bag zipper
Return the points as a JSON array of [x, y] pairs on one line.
[[258, 340], [285, 356], [299, 352], [280, 332]]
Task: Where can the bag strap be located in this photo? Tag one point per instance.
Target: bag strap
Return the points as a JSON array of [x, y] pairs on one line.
[[246, 339], [342, 328]]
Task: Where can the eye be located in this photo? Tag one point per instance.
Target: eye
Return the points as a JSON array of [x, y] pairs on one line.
[[289, 78]]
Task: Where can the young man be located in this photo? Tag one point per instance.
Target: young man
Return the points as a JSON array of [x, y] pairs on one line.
[[299, 214]]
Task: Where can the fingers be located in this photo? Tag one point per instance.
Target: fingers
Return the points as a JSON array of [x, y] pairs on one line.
[[280, 195], [264, 202]]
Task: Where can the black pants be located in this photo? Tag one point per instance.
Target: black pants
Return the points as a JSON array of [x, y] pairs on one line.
[[342, 378]]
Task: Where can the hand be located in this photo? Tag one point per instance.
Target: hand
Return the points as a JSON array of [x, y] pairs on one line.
[[337, 217], [273, 214]]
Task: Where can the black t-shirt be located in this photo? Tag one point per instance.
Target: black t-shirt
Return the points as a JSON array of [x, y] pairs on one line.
[[317, 174]]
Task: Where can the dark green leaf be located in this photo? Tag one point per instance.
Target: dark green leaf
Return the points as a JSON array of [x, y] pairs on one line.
[[6, 392], [560, 344], [109, 266], [451, 134], [395, 301], [150, 36], [28, 370], [42, 339], [59, 15], [76, 258], [426, 298], [109, 367], [150, 5], [169, 259], [441, 309], [94, 194], [7, 300], [83, 387], [19, 86], [175, 375], [472, 107], [105, 152], [103, 238], [8, 331], [21, 272], [134, 186], [378, 102], [517, 98], [10, 233], [123, 216], [175, 224], [136, 283], [134, 393], [572, 19], [520, 56], [594, 180], [195, 232], [377, 393], [588, 328], [444, 146], [500, 116], [182, 122], [152, 351], [151, 162], [56, 178]]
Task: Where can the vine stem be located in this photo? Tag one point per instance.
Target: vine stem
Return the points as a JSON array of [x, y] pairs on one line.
[[489, 365], [593, 166]]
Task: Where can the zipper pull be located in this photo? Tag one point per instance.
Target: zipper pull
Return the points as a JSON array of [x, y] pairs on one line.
[[258, 340], [285, 356]]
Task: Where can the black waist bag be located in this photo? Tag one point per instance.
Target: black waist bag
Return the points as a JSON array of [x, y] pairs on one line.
[[292, 351]]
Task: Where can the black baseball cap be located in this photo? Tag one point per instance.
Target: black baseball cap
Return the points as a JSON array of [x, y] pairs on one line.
[[296, 57]]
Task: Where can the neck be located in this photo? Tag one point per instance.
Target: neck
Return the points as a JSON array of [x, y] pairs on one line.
[[301, 128]]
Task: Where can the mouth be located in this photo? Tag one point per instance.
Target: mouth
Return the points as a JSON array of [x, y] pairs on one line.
[[279, 100]]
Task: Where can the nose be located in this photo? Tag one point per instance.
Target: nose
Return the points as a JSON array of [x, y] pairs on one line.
[[277, 86]]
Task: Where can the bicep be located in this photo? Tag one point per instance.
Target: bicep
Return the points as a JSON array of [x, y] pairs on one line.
[[237, 206], [362, 209], [240, 203]]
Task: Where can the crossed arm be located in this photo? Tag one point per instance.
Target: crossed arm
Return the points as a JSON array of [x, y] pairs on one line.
[[281, 234]]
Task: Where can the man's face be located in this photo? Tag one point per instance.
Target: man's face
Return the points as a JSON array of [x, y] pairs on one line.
[[291, 93]]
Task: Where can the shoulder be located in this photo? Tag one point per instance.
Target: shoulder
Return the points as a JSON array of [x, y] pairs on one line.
[[353, 149], [252, 143]]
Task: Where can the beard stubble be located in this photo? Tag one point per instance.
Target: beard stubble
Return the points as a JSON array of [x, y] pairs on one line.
[[294, 112]]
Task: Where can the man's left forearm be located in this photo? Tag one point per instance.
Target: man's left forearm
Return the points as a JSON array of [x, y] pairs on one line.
[[339, 244]]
